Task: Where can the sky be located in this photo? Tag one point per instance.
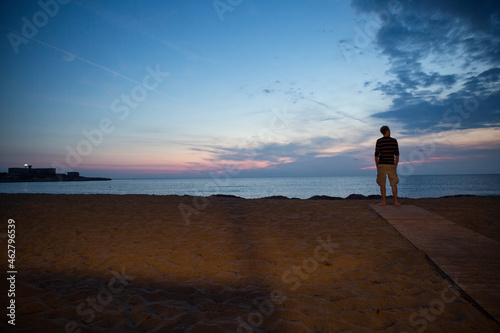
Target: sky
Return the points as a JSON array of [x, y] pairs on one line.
[[249, 88]]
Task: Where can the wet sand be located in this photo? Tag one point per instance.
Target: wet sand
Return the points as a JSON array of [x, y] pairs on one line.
[[139, 263]]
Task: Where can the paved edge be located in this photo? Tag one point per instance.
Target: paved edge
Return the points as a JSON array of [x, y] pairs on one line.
[[397, 213]]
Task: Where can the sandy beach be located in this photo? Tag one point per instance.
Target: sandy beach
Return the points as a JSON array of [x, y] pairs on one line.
[[141, 263]]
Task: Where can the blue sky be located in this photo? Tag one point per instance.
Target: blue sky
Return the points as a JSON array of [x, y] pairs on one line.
[[249, 88]]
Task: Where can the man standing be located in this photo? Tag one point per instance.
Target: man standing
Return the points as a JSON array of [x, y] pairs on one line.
[[386, 160]]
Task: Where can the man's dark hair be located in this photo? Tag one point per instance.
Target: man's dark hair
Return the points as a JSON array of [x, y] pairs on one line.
[[384, 129]]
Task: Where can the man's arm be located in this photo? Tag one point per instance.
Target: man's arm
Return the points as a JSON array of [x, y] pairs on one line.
[[376, 162], [396, 153]]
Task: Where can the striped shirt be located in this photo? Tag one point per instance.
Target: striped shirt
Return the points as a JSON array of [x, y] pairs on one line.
[[386, 148]]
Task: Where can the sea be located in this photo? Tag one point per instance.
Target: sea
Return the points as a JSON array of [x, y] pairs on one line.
[[414, 186]]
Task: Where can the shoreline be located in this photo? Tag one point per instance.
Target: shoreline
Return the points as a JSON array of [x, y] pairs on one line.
[[353, 196]]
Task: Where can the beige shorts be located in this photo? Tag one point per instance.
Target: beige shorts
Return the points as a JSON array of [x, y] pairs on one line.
[[389, 170]]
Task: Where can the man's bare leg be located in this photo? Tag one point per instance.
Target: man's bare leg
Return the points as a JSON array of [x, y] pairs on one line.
[[395, 194], [382, 192]]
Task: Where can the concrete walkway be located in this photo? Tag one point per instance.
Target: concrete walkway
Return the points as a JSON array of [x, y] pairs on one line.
[[468, 258]]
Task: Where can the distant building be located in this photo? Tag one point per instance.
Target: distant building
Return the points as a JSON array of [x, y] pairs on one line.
[[28, 174], [32, 172]]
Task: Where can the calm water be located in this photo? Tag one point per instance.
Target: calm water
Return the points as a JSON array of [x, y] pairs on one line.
[[303, 187]]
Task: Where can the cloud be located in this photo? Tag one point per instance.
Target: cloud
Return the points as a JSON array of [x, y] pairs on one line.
[[267, 155], [315, 106], [480, 15], [444, 58], [476, 105], [272, 152], [68, 57], [483, 84], [312, 167]]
